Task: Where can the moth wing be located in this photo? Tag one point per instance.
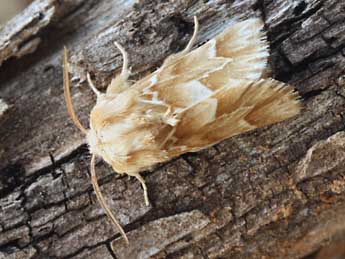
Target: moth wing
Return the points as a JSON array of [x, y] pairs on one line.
[[237, 107], [246, 45], [240, 52], [215, 91]]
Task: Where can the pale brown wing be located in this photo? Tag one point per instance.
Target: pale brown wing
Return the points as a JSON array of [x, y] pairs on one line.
[[215, 91], [237, 107], [240, 52], [246, 45]]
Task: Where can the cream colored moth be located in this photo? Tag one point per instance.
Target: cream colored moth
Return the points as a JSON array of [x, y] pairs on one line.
[[196, 99]]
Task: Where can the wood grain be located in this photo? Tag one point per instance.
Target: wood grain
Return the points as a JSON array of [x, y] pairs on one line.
[[277, 192]]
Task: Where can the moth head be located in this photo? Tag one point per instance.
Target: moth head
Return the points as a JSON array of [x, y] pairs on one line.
[[93, 142]]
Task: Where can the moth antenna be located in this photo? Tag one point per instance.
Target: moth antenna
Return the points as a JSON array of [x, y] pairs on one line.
[[125, 71], [102, 202], [67, 94], [195, 33], [92, 86]]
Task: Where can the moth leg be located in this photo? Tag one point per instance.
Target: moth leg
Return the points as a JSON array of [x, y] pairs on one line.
[[92, 86], [125, 71], [171, 59], [120, 82], [192, 40], [102, 201], [143, 184]]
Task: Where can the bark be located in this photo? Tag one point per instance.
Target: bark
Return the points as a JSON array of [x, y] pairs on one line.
[[276, 192]]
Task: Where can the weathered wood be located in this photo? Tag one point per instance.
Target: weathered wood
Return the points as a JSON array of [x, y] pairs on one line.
[[276, 192]]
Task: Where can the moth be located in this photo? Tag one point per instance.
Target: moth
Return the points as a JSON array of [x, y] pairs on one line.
[[196, 99]]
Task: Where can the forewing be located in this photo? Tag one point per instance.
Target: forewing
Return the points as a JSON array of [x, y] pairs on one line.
[[215, 91], [237, 107], [240, 52], [246, 45]]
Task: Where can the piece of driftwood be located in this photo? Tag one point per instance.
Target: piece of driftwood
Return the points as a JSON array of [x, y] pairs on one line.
[[277, 192]]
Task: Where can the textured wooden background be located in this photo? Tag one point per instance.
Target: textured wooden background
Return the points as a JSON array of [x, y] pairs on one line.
[[277, 192]]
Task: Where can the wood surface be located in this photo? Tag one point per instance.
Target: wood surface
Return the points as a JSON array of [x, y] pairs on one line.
[[277, 192]]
